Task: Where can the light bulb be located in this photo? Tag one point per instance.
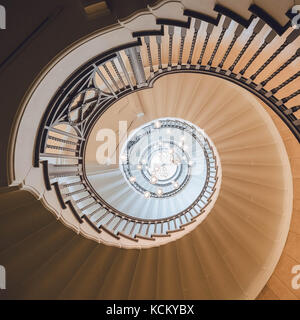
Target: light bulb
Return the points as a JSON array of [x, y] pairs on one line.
[[153, 179], [132, 179], [139, 167], [157, 124], [147, 194], [123, 157], [159, 192], [175, 184]]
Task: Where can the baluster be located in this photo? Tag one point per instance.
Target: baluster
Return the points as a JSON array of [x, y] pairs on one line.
[[69, 194], [111, 77], [290, 38], [71, 184], [180, 219], [84, 198], [64, 174], [147, 230], [292, 110], [286, 99], [267, 40], [136, 64], [182, 40], [197, 25], [197, 205], [274, 74], [97, 222], [125, 226], [296, 123], [283, 84], [122, 64], [147, 41], [258, 27], [62, 140], [186, 217], [117, 224], [63, 133], [63, 168], [209, 31], [60, 148], [140, 229], [118, 73], [191, 216], [91, 214], [171, 34], [196, 212], [76, 165], [158, 42], [59, 155], [237, 33], [225, 26], [110, 220], [105, 81], [175, 224], [88, 206]]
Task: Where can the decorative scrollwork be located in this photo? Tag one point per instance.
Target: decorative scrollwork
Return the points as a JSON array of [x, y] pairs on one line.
[[83, 105]]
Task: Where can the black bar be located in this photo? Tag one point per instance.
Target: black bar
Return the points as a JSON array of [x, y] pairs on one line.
[[276, 26], [202, 16], [233, 15]]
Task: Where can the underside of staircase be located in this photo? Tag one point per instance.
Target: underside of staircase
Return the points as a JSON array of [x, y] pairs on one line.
[[232, 69]]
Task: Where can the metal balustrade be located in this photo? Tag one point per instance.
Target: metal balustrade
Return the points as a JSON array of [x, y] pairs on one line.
[[123, 72]]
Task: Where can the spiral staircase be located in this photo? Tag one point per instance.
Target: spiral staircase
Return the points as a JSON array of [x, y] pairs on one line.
[[231, 69]]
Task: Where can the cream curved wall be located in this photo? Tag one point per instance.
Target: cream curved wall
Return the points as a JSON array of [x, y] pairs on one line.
[[279, 285]]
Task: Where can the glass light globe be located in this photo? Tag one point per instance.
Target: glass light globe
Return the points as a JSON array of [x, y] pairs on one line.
[[157, 124], [132, 179], [159, 192], [147, 194]]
